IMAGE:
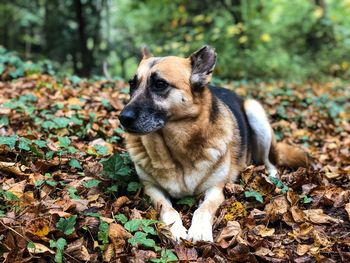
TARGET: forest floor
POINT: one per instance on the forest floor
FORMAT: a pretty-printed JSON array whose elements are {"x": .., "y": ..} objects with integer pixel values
[{"x": 68, "y": 191}]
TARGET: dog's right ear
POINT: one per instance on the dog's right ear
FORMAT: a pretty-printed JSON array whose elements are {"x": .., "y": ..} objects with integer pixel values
[
  {"x": 203, "y": 63},
  {"x": 146, "y": 53}
]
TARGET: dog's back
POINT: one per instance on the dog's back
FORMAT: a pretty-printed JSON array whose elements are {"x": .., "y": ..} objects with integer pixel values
[{"x": 236, "y": 105}]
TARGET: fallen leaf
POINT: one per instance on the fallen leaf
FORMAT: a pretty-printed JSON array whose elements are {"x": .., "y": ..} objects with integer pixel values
[
  {"x": 118, "y": 235},
  {"x": 264, "y": 231},
  {"x": 186, "y": 254},
  {"x": 78, "y": 250},
  {"x": 302, "y": 249},
  {"x": 231, "y": 231},
  {"x": 317, "y": 216},
  {"x": 277, "y": 207},
  {"x": 297, "y": 214},
  {"x": 39, "y": 249},
  {"x": 347, "y": 208}
]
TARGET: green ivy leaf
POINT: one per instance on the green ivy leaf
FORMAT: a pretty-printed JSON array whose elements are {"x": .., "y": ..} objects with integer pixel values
[
  {"x": 59, "y": 244},
  {"x": 10, "y": 141},
  {"x": 101, "y": 150},
  {"x": 133, "y": 186},
  {"x": 279, "y": 184},
  {"x": 91, "y": 183},
  {"x": 258, "y": 197},
  {"x": 61, "y": 122},
  {"x": 188, "y": 200},
  {"x": 121, "y": 218},
  {"x": 51, "y": 183},
  {"x": 66, "y": 225},
  {"x": 30, "y": 245},
  {"x": 103, "y": 232},
  {"x": 75, "y": 79},
  {"x": 4, "y": 120},
  {"x": 9, "y": 196},
  {"x": 133, "y": 225},
  {"x": 40, "y": 143},
  {"x": 165, "y": 256},
  {"x": 141, "y": 238},
  {"x": 64, "y": 141},
  {"x": 115, "y": 167},
  {"x": 306, "y": 199},
  {"x": 73, "y": 193},
  {"x": 24, "y": 144},
  {"x": 75, "y": 164}
]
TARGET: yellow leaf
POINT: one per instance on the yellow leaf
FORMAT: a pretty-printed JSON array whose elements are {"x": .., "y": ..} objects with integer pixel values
[
  {"x": 43, "y": 231},
  {"x": 234, "y": 211},
  {"x": 265, "y": 37},
  {"x": 344, "y": 65},
  {"x": 318, "y": 12},
  {"x": 243, "y": 39}
]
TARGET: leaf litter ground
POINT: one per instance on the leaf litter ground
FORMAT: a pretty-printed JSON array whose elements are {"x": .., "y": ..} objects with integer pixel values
[{"x": 68, "y": 191}]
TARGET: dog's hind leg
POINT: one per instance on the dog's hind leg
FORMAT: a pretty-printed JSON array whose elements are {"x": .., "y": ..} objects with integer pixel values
[{"x": 262, "y": 134}]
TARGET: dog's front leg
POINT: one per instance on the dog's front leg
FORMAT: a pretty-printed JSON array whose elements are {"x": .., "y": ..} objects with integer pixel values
[
  {"x": 167, "y": 213},
  {"x": 202, "y": 221}
]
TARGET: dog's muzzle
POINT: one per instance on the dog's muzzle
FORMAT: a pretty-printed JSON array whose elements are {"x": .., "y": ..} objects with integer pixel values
[{"x": 141, "y": 120}]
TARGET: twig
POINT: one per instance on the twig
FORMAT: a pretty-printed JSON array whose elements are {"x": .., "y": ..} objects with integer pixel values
[{"x": 105, "y": 70}]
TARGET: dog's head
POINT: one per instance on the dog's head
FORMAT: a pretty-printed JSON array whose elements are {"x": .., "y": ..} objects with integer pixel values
[{"x": 165, "y": 89}]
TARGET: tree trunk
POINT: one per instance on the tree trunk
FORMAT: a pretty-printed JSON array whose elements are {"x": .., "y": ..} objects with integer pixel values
[{"x": 85, "y": 59}]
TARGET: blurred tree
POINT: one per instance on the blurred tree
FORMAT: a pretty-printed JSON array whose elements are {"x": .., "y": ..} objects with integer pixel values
[{"x": 255, "y": 38}]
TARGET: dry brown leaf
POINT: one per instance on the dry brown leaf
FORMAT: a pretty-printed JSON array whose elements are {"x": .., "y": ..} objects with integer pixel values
[
  {"x": 39, "y": 227},
  {"x": 321, "y": 238},
  {"x": 318, "y": 217},
  {"x": 78, "y": 250},
  {"x": 297, "y": 214},
  {"x": 119, "y": 203},
  {"x": 140, "y": 256},
  {"x": 302, "y": 249},
  {"x": 186, "y": 254},
  {"x": 303, "y": 232},
  {"x": 231, "y": 231},
  {"x": 39, "y": 249},
  {"x": 233, "y": 189},
  {"x": 59, "y": 213},
  {"x": 18, "y": 188},
  {"x": 347, "y": 208},
  {"x": 109, "y": 253},
  {"x": 263, "y": 251},
  {"x": 264, "y": 231},
  {"x": 118, "y": 235},
  {"x": 15, "y": 168},
  {"x": 277, "y": 207}
]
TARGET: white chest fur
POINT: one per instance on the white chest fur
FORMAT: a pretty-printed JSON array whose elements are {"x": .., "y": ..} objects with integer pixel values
[{"x": 193, "y": 178}]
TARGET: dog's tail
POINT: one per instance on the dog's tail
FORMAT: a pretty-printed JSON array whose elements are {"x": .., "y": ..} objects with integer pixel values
[
  {"x": 265, "y": 149},
  {"x": 284, "y": 154}
]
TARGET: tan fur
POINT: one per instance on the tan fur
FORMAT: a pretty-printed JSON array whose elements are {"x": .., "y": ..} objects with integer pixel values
[{"x": 286, "y": 155}]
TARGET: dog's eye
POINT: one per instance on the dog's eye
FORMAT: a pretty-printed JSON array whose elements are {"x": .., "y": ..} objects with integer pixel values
[{"x": 160, "y": 85}]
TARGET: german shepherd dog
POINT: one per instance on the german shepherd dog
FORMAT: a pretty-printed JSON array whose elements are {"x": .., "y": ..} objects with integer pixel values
[{"x": 187, "y": 137}]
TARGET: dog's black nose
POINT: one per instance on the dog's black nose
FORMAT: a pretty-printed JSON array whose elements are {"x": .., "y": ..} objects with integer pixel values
[{"x": 127, "y": 117}]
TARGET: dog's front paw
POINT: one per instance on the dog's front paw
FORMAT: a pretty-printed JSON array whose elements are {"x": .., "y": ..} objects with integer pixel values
[
  {"x": 201, "y": 229},
  {"x": 178, "y": 231}
]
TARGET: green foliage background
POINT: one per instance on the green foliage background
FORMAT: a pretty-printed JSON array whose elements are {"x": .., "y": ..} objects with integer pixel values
[{"x": 254, "y": 39}]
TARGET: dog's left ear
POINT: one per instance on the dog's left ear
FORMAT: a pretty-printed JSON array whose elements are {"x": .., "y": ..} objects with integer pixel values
[
  {"x": 203, "y": 63},
  {"x": 146, "y": 53}
]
